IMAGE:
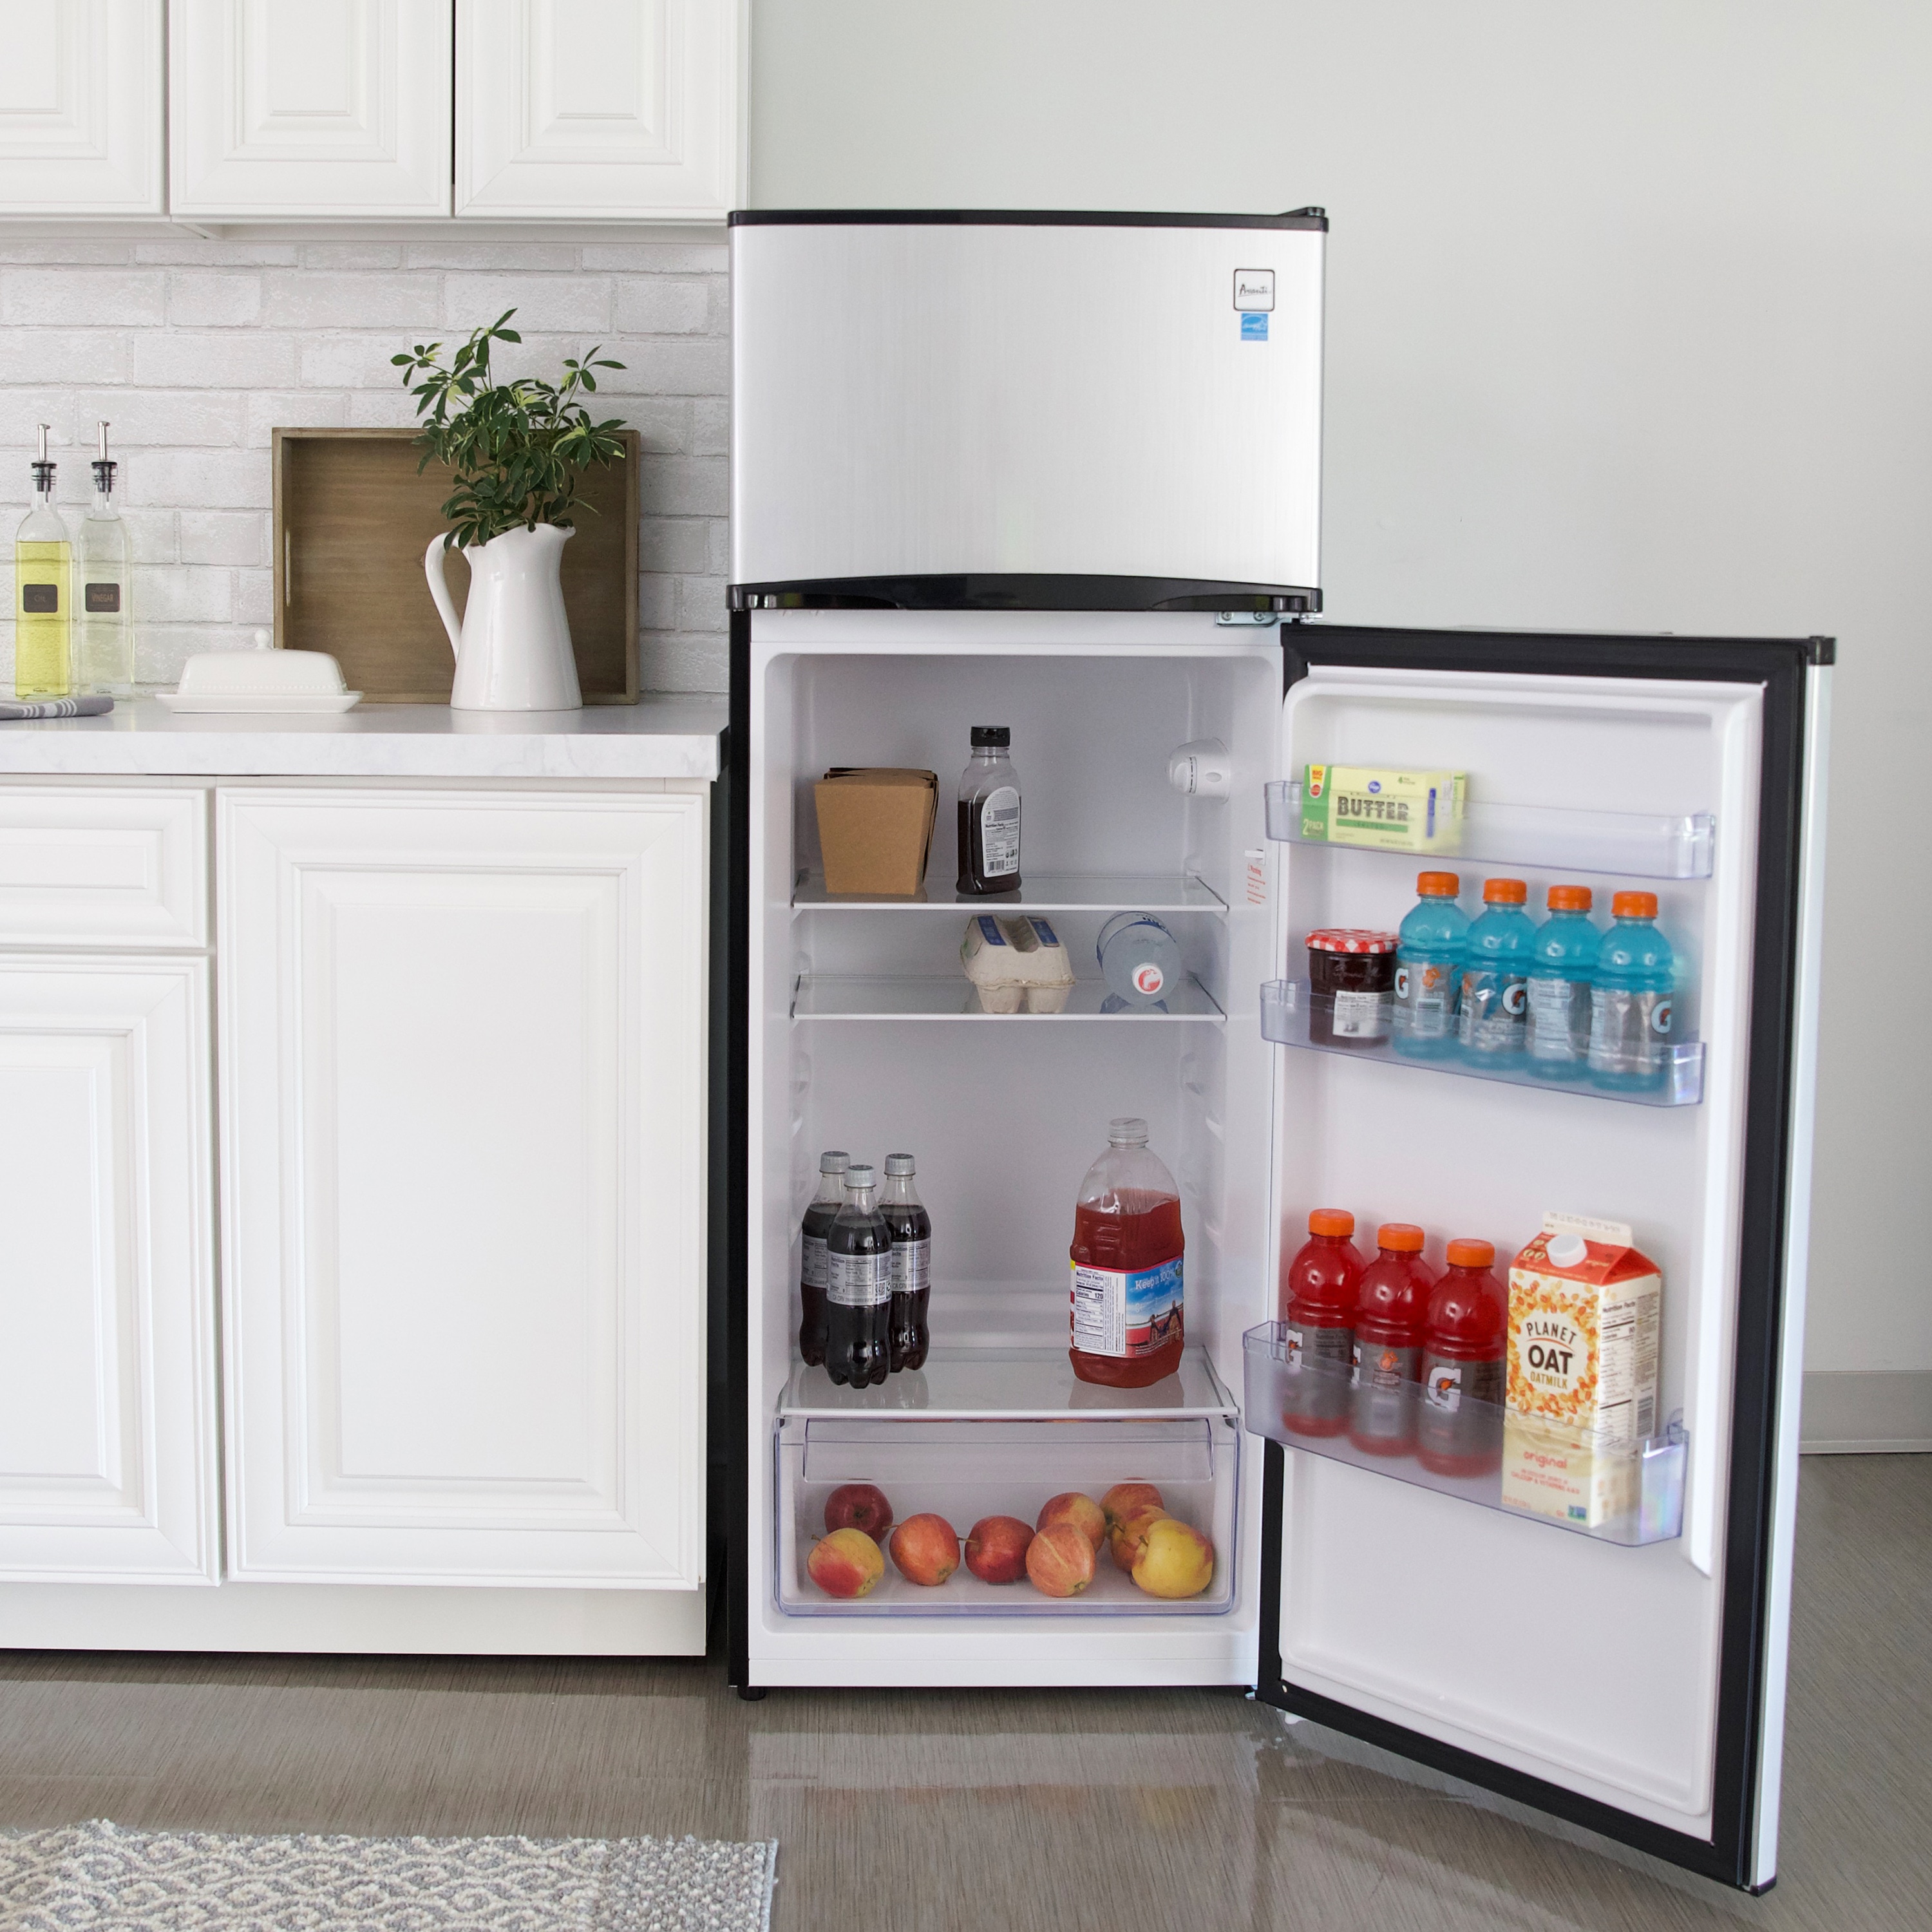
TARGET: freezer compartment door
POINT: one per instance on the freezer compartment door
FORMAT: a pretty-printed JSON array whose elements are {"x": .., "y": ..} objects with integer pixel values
[
  {"x": 1622, "y": 1678},
  {"x": 1027, "y": 411}
]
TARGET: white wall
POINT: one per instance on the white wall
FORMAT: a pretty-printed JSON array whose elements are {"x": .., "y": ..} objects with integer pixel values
[{"x": 1629, "y": 326}]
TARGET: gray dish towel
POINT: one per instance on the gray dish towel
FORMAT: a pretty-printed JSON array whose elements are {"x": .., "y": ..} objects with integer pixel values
[{"x": 53, "y": 707}]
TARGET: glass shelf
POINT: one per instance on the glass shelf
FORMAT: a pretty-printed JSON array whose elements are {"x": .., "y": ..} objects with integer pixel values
[
  {"x": 1284, "y": 1017},
  {"x": 837, "y": 996},
  {"x": 1555, "y": 838},
  {"x": 991, "y": 1383},
  {"x": 1542, "y": 1473},
  {"x": 1043, "y": 892}
]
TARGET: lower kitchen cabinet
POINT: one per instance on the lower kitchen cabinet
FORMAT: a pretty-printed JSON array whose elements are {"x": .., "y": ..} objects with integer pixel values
[
  {"x": 462, "y": 1046},
  {"x": 107, "y": 1374}
]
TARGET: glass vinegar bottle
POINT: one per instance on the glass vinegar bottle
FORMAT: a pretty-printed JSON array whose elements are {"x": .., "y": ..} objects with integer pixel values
[
  {"x": 43, "y": 592},
  {"x": 104, "y": 653}
]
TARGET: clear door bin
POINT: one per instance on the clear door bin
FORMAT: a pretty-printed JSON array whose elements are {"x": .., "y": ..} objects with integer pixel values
[
  {"x": 1627, "y": 1494},
  {"x": 1284, "y": 1015},
  {"x": 1638, "y": 844},
  {"x": 964, "y": 1471}
]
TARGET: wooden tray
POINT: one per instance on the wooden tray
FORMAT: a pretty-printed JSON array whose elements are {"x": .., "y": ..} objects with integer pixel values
[{"x": 352, "y": 519}]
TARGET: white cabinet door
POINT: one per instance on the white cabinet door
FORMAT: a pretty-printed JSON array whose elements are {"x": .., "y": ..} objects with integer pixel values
[
  {"x": 590, "y": 109},
  {"x": 80, "y": 107},
  {"x": 463, "y": 1095},
  {"x": 328, "y": 107},
  {"x": 107, "y": 1405}
]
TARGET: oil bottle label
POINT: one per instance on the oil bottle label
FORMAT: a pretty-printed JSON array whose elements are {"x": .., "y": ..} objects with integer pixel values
[
  {"x": 999, "y": 831},
  {"x": 912, "y": 1266},
  {"x": 40, "y": 600},
  {"x": 858, "y": 1281},
  {"x": 811, "y": 1263},
  {"x": 1126, "y": 1312}
]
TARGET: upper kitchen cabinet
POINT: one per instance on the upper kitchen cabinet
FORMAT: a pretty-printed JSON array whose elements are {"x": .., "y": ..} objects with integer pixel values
[
  {"x": 80, "y": 107},
  {"x": 597, "y": 110},
  {"x": 328, "y": 109}
]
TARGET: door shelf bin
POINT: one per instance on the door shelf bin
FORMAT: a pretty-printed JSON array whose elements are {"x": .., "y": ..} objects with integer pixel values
[
  {"x": 1636, "y": 845},
  {"x": 965, "y": 1470},
  {"x": 1642, "y": 1482},
  {"x": 1284, "y": 1018}
]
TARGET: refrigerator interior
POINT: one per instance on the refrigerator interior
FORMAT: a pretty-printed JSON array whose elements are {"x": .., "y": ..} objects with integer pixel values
[
  {"x": 860, "y": 1042},
  {"x": 1593, "y": 1665}
]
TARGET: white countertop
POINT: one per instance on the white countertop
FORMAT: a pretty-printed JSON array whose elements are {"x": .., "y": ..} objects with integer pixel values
[{"x": 659, "y": 738}]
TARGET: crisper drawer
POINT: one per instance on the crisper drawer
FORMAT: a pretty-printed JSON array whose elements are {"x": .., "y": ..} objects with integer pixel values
[
  {"x": 97, "y": 866},
  {"x": 965, "y": 1470}
]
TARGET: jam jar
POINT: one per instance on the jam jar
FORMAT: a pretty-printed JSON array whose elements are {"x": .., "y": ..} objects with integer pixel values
[{"x": 1351, "y": 987}]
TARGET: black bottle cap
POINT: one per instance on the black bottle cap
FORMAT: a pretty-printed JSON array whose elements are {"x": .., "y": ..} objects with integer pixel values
[{"x": 1000, "y": 735}]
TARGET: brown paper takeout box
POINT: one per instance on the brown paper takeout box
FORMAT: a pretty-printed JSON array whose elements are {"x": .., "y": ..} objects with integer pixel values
[{"x": 875, "y": 828}]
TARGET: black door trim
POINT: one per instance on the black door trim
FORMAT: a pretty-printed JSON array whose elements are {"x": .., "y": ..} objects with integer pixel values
[{"x": 733, "y": 1177}]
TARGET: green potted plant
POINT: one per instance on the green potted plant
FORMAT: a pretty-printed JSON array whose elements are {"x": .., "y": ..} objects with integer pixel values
[{"x": 518, "y": 450}]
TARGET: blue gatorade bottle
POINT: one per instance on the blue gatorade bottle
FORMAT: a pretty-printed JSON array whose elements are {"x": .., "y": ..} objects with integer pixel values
[
  {"x": 1496, "y": 959},
  {"x": 1632, "y": 1001},
  {"x": 1558, "y": 1033},
  {"x": 1428, "y": 967}
]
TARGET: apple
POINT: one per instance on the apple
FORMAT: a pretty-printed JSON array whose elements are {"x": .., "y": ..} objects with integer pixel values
[
  {"x": 859, "y": 1506},
  {"x": 845, "y": 1563},
  {"x": 926, "y": 1548},
  {"x": 1123, "y": 1498},
  {"x": 1128, "y": 1541},
  {"x": 1176, "y": 1560},
  {"x": 1059, "y": 1561},
  {"x": 1083, "y": 1512},
  {"x": 996, "y": 1548}
]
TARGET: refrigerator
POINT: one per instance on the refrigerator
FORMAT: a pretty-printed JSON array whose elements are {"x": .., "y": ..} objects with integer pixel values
[{"x": 1061, "y": 472}]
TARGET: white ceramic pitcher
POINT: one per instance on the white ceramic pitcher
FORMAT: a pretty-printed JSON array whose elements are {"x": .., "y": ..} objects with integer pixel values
[{"x": 512, "y": 644}]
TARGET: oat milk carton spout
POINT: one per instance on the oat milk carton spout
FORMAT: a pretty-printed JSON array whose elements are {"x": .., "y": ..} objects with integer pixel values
[{"x": 1584, "y": 1310}]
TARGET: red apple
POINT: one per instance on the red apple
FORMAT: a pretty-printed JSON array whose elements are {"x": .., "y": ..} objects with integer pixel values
[
  {"x": 996, "y": 1548},
  {"x": 1083, "y": 1512},
  {"x": 1059, "y": 1561},
  {"x": 1128, "y": 1541},
  {"x": 845, "y": 1563},
  {"x": 859, "y": 1506},
  {"x": 1123, "y": 1498},
  {"x": 926, "y": 1548}
]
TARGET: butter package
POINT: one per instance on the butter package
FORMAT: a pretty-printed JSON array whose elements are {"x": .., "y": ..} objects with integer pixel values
[
  {"x": 1393, "y": 811},
  {"x": 1585, "y": 1310}
]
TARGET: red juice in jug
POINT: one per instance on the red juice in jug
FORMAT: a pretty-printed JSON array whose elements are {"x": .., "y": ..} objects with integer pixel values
[
  {"x": 1459, "y": 1426},
  {"x": 1126, "y": 1260},
  {"x": 1390, "y": 1307},
  {"x": 1317, "y": 1309}
]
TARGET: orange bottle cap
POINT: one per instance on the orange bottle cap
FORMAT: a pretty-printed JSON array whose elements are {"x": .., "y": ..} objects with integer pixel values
[
  {"x": 1634, "y": 905},
  {"x": 1569, "y": 899},
  {"x": 1438, "y": 885},
  {"x": 1471, "y": 1254},
  {"x": 1336, "y": 1222},
  {"x": 1403, "y": 1237},
  {"x": 1504, "y": 892}
]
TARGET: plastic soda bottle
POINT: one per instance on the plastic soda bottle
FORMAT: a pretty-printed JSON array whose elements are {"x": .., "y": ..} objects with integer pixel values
[
  {"x": 1390, "y": 1307},
  {"x": 858, "y": 1285},
  {"x": 1458, "y": 1422},
  {"x": 1126, "y": 1258},
  {"x": 1632, "y": 1002},
  {"x": 818, "y": 1219},
  {"x": 1495, "y": 973},
  {"x": 909, "y": 1335},
  {"x": 1558, "y": 1029},
  {"x": 1318, "y": 1288},
  {"x": 1429, "y": 967}
]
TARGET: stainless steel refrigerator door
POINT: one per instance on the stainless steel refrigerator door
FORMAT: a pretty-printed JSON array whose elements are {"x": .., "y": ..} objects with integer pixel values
[{"x": 1132, "y": 402}]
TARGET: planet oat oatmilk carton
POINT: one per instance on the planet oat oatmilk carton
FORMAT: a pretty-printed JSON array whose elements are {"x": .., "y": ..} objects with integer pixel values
[{"x": 1585, "y": 1306}]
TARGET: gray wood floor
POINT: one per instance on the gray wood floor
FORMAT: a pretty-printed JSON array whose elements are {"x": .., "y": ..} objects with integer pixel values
[{"x": 1115, "y": 1811}]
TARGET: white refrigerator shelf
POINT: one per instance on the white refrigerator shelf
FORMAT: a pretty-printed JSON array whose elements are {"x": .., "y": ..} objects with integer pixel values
[
  {"x": 854, "y": 996},
  {"x": 1043, "y": 892},
  {"x": 1557, "y": 838},
  {"x": 1679, "y": 1081},
  {"x": 1541, "y": 1473}
]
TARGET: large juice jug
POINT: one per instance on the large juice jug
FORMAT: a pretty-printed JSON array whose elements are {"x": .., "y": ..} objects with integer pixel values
[
  {"x": 1428, "y": 968},
  {"x": 1126, "y": 1258},
  {"x": 1631, "y": 1003},
  {"x": 1390, "y": 1306},
  {"x": 1558, "y": 1029},
  {"x": 1459, "y": 1425},
  {"x": 1317, "y": 1309}
]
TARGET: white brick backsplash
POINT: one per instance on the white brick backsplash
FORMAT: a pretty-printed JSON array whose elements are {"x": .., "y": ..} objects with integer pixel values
[
  {"x": 83, "y": 298},
  {"x": 197, "y": 350}
]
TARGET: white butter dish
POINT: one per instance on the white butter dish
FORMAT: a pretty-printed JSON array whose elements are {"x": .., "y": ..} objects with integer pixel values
[{"x": 260, "y": 680}]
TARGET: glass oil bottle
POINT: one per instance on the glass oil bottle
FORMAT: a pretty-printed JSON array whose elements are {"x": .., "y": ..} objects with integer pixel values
[
  {"x": 104, "y": 659},
  {"x": 43, "y": 592}
]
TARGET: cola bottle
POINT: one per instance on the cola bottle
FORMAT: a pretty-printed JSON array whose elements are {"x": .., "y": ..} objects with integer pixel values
[
  {"x": 858, "y": 1285},
  {"x": 910, "y": 1227},
  {"x": 818, "y": 1218}
]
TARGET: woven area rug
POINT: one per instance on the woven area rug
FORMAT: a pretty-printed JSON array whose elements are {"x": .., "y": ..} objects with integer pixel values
[{"x": 98, "y": 1878}]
